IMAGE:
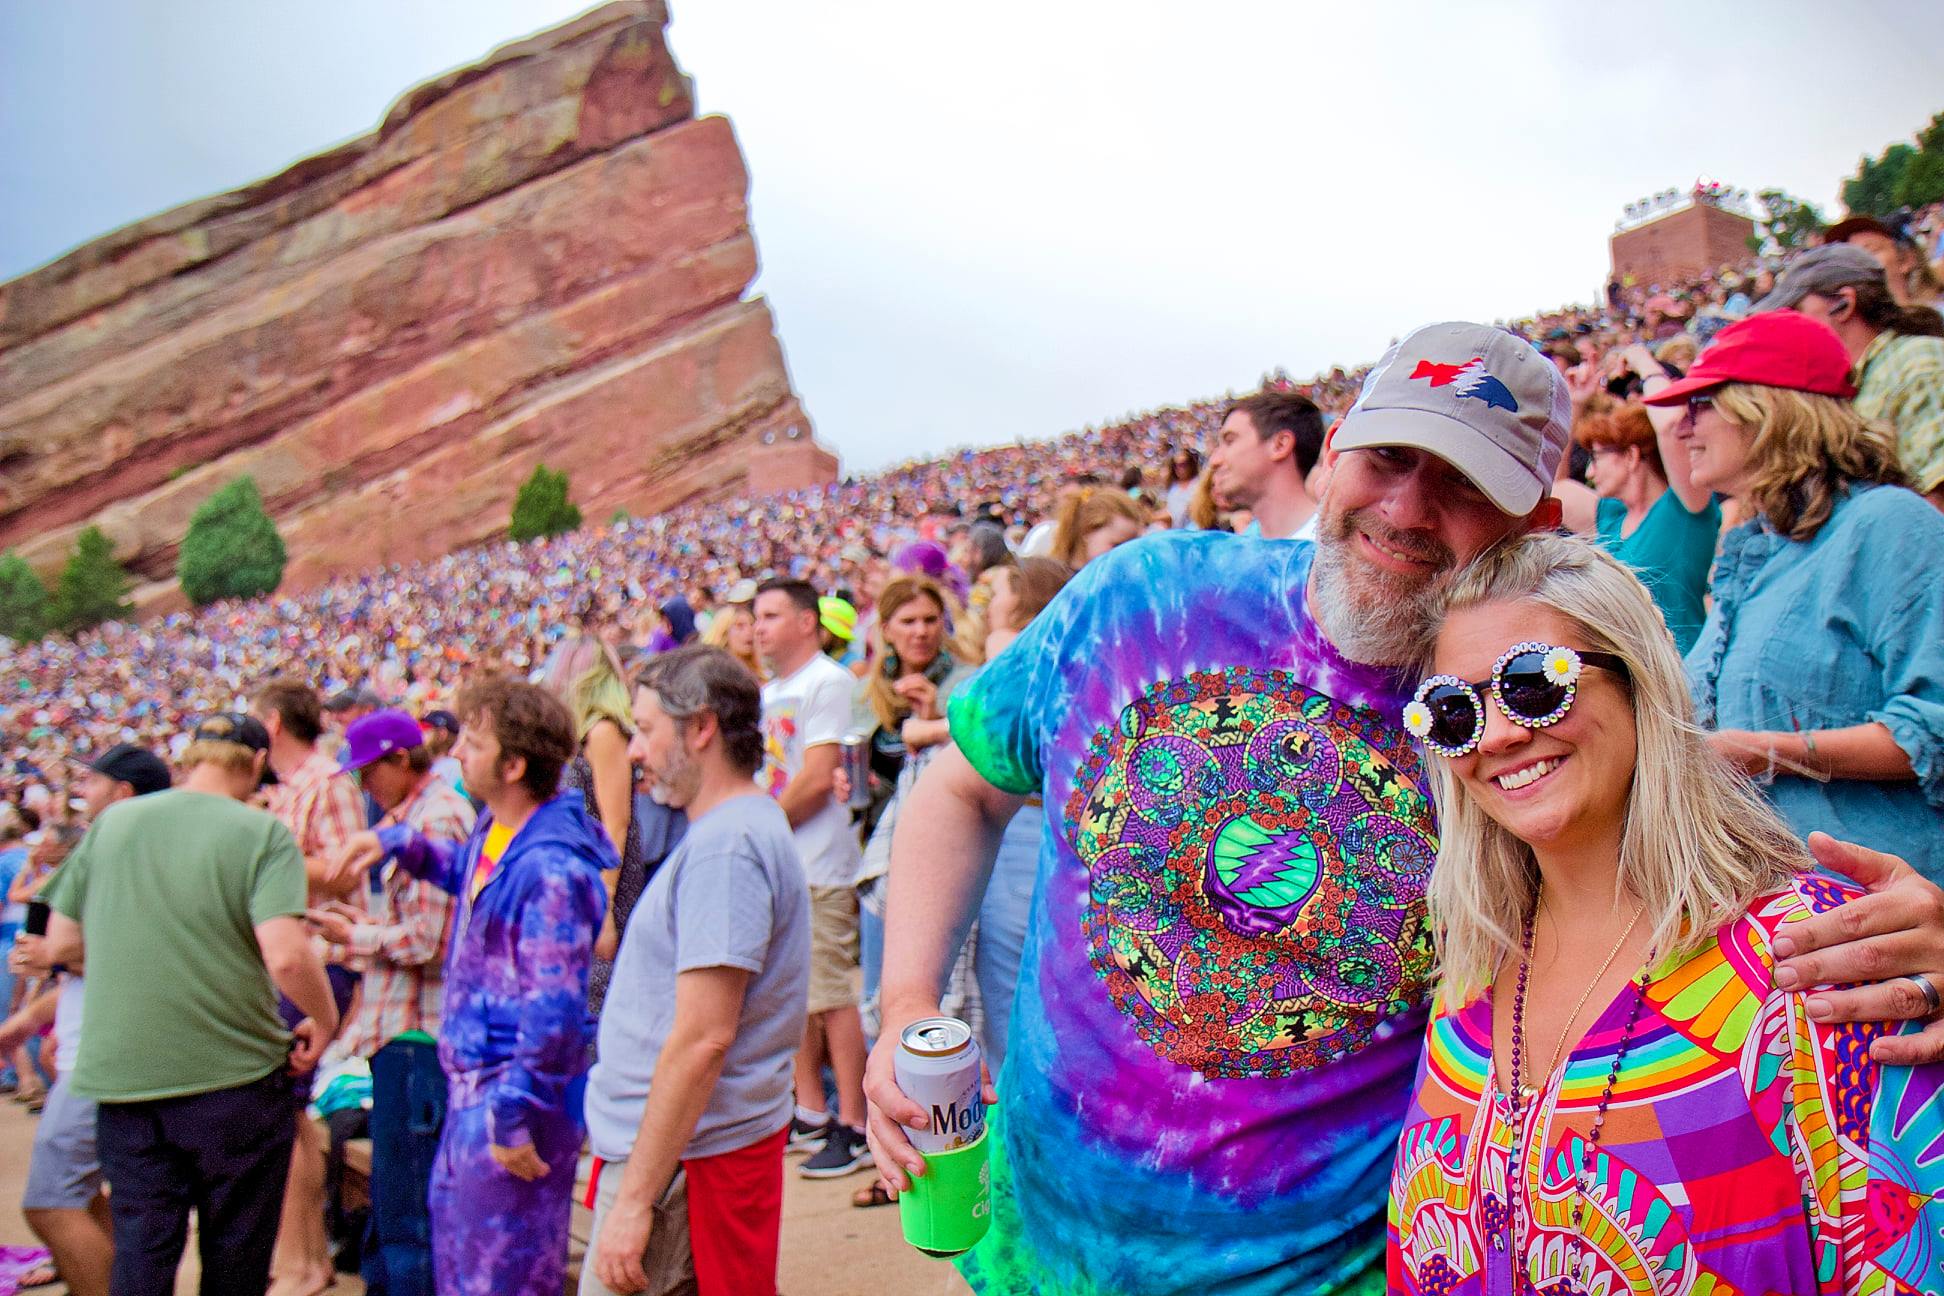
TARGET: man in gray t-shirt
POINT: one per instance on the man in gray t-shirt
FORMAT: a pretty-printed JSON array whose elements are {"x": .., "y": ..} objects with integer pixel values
[{"x": 712, "y": 978}]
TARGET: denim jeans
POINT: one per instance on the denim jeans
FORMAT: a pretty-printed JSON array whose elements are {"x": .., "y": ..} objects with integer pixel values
[
  {"x": 1003, "y": 914},
  {"x": 870, "y": 952},
  {"x": 408, "y": 1103}
]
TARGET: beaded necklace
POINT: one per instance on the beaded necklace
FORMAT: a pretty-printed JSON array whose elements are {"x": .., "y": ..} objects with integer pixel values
[{"x": 1583, "y": 1175}]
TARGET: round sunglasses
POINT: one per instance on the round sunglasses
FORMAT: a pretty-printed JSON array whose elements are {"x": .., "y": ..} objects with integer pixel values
[{"x": 1533, "y": 683}]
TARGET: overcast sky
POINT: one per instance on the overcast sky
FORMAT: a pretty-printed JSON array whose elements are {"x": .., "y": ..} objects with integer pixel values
[{"x": 978, "y": 224}]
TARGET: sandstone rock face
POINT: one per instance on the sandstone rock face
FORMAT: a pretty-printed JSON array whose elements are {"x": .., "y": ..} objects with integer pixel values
[{"x": 540, "y": 259}]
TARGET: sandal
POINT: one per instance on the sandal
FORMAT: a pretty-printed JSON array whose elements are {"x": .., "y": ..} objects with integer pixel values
[{"x": 874, "y": 1195}]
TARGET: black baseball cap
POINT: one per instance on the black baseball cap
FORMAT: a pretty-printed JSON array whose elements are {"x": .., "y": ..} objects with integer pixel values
[
  {"x": 358, "y": 695},
  {"x": 235, "y": 727},
  {"x": 138, "y": 767}
]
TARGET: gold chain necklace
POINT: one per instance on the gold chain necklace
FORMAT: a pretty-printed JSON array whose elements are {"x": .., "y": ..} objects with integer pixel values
[{"x": 1566, "y": 1031}]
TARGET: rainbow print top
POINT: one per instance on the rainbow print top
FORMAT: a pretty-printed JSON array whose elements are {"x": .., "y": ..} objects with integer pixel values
[{"x": 1747, "y": 1149}]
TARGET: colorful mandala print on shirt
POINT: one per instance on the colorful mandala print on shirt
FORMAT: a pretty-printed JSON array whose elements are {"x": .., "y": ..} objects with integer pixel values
[{"x": 1257, "y": 856}]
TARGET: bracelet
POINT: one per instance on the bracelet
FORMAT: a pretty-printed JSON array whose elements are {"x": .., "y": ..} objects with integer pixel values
[{"x": 1809, "y": 745}]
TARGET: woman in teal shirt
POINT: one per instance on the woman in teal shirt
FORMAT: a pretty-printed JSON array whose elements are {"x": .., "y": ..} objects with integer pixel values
[{"x": 1821, "y": 665}]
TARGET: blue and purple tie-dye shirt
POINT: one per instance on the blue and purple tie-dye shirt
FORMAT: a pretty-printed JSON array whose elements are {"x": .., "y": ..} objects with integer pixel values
[{"x": 1220, "y": 1004}]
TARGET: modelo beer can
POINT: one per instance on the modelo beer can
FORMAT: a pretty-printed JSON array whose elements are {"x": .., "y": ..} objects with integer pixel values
[
  {"x": 856, "y": 760},
  {"x": 938, "y": 1068},
  {"x": 948, "y": 1209}
]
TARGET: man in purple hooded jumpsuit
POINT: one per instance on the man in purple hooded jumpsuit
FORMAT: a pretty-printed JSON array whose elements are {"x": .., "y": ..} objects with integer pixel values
[{"x": 514, "y": 1036}]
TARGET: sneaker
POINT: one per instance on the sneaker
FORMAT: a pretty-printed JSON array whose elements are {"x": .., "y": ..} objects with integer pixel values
[
  {"x": 844, "y": 1152},
  {"x": 808, "y": 1137}
]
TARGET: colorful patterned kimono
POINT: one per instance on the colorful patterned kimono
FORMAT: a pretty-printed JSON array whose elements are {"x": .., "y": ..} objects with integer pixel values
[
  {"x": 513, "y": 1043},
  {"x": 1746, "y": 1149}
]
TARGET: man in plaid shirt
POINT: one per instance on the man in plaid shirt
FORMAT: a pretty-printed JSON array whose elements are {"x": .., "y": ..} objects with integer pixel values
[
  {"x": 322, "y": 812},
  {"x": 399, "y": 943}
]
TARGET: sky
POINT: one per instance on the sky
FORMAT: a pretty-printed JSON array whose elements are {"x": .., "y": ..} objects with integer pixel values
[{"x": 978, "y": 225}]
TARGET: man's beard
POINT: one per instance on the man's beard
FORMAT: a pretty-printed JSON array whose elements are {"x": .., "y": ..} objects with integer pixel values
[
  {"x": 677, "y": 784},
  {"x": 1370, "y": 614}
]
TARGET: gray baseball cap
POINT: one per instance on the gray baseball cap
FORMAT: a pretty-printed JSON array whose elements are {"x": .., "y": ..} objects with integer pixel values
[
  {"x": 1482, "y": 399},
  {"x": 1822, "y": 271}
]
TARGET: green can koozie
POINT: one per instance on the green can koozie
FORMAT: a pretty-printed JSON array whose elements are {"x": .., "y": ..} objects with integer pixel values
[{"x": 948, "y": 1208}]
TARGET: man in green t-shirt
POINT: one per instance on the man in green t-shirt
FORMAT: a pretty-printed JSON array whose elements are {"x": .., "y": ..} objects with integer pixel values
[{"x": 189, "y": 907}]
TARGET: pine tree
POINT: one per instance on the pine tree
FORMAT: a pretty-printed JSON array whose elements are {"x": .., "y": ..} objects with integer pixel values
[
  {"x": 23, "y": 600},
  {"x": 542, "y": 507},
  {"x": 93, "y": 587},
  {"x": 232, "y": 549}
]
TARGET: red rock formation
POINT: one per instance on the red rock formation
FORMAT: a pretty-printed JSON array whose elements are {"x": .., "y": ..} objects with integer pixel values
[{"x": 538, "y": 259}]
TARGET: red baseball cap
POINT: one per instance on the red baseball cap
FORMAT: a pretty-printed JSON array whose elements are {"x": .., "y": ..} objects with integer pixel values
[{"x": 1781, "y": 348}]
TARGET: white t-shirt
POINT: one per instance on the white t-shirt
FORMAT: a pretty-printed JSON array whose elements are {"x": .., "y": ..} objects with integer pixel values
[
  {"x": 1307, "y": 531},
  {"x": 67, "y": 1023},
  {"x": 811, "y": 709}
]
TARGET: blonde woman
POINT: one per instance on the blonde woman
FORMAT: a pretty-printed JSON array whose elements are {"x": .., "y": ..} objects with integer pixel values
[
  {"x": 1612, "y": 1097},
  {"x": 733, "y": 629},
  {"x": 1093, "y": 520},
  {"x": 584, "y": 672},
  {"x": 1820, "y": 666}
]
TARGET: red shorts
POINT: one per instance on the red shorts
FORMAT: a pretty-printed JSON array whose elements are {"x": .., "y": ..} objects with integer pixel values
[{"x": 735, "y": 1208}]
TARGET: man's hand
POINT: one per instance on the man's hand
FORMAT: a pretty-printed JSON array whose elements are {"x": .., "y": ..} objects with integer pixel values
[
  {"x": 361, "y": 853},
  {"x": 28, "y": 957},
  {"x": 618, "y": 1252},
  {"x": 1878, "y": 939},
  {"x": 521, "y": 1162},
  {"x": 333, "y": 921},
  {"x": 307, "y": 1044},
  {"x": 888, "y": 1110}
]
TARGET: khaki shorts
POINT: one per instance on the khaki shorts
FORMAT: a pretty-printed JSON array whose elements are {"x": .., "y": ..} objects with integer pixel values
[{"x": 834, "y": 978}]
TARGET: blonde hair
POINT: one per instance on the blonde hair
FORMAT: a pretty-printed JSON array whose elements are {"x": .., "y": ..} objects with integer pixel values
[
  {"x": 889, "y": 709},
  {"x": 1202, "y": 512},
  {"x": 1085, "y": 512},
  {"x": 585, "y": 674},
  {"x": 1678, "y": 350},
  {"x": 234, "y": 758},
  {"x": 1806, "y": 449},
  {"x": 1699, "y": 843},
  {"x": 717, "y": 636}
]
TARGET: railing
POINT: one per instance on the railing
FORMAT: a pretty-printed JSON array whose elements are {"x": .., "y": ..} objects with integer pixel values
[{"x": 1703, "y": 193}]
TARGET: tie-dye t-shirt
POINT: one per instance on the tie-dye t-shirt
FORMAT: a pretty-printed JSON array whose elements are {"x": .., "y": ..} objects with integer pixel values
[
  {"x": 1221, "y": 997},
  {"x": 1746, "y": 1147}
]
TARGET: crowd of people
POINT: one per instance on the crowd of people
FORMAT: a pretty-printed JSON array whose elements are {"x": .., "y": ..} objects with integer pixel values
[{"x": 549, "y": 868}]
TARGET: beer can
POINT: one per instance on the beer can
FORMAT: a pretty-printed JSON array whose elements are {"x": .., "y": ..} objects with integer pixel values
[
  {"x": 938, "y": 1068},
  {"x": 856, "y": 758}
]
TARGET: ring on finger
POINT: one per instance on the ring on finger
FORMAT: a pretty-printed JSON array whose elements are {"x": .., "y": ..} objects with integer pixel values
[{"x": 1931, "y": 999}]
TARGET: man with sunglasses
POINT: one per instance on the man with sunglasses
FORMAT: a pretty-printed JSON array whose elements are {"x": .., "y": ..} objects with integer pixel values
[{"x": 1221, "y": 997}]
